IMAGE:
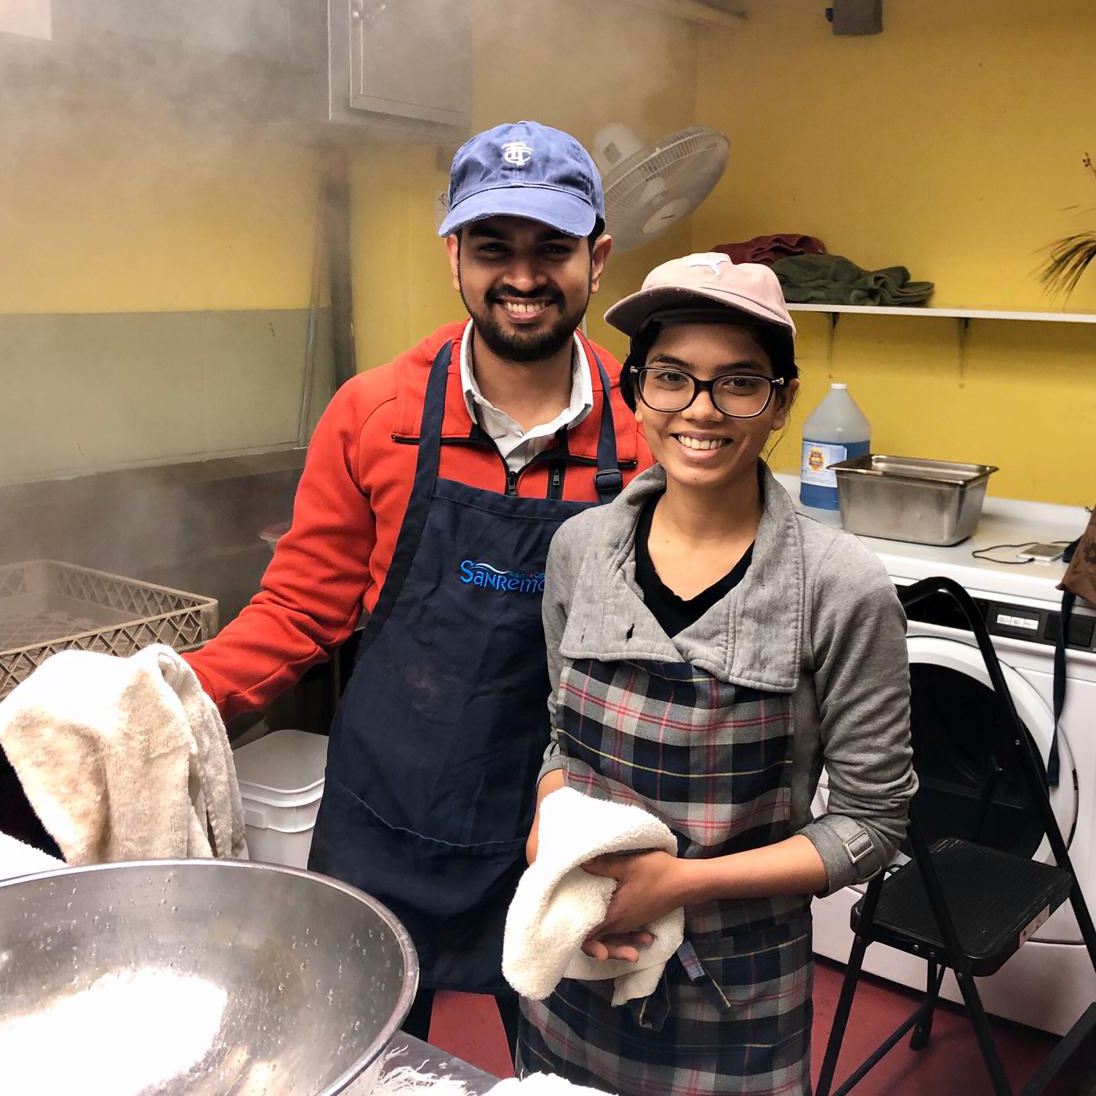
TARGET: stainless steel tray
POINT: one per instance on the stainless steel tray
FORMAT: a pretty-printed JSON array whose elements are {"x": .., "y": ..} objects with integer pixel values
[{"x": 911, "y": 498}]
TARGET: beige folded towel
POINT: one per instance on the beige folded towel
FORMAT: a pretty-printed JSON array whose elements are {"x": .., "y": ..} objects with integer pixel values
[{"x": 124, "y": 758}]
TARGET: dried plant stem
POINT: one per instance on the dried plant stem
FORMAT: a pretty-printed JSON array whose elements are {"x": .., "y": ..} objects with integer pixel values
[{"x": 1069, "y": 259}]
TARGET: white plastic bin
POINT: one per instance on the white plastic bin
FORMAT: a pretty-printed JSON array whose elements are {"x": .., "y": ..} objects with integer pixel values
[{"x": 281, "y": 782}]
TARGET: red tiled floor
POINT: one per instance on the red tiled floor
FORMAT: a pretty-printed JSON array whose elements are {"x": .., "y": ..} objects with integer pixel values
[
  {"x": 950, "y": 1063},
  {"x": 468, "y": 1026}
]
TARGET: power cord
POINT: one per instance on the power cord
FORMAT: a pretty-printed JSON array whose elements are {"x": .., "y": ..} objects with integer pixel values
[{"x": 980, "y": 553}]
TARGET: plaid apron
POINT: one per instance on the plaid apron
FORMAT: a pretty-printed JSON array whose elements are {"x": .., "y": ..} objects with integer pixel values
[{"x": 732, "y": 1013}]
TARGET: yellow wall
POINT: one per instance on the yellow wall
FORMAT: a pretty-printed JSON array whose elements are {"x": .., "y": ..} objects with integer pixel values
[
  {"x": 951, "y": 144},
  {"x": 149, "y": 269},
  {"x": 113, "y": 207}
]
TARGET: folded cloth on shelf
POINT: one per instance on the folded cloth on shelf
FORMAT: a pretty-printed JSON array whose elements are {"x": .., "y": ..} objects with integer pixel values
[
  {"x": 767, "y": 249},
  {"x": 833, "y": 279},
  {"x": 124, "y": 758},
  {"x": 557, "y": 904},
  {"x": 17, "y": 858}
]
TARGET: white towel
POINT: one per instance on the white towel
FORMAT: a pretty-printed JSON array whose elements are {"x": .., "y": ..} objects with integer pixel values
[
  {"x": 18, "y": 858},
  {"x": 409, "y": 1081},
  {"x": 541, "y": 1084},
  {"x": 558, "y": 904},
  {"x": 124, "y": 758}
]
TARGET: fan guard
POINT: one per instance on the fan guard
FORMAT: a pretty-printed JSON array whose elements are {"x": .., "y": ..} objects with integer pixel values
[{"x": 652, "y": 188}]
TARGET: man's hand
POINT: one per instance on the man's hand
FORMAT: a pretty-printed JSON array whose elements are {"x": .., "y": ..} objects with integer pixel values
[{"x": 649, "y": 885}]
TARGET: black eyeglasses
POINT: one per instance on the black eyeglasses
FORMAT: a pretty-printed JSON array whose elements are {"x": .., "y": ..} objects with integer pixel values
[{"x": 739, "y": 395}]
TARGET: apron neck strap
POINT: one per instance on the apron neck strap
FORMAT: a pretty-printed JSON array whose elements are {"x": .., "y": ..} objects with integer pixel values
[
  {"x": 608, "y": 480},
  {"x": 433, "y": 414}
]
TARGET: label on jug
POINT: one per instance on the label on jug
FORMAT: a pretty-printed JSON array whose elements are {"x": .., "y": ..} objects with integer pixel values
[{"x": 818, "y": 456}]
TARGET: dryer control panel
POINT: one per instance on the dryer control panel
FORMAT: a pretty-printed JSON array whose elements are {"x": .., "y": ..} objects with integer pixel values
[{"x": 1008, "y": 619}]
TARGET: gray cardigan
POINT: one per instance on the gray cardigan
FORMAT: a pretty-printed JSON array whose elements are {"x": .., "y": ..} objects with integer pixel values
[{"x": 815, "y": 616}]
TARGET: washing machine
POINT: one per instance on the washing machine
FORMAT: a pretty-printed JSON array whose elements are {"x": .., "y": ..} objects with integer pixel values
[{"x": 1049, "y": 982}]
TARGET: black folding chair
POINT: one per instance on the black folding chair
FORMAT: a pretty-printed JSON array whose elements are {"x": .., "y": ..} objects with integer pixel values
[{"x": 967, "y": 907}]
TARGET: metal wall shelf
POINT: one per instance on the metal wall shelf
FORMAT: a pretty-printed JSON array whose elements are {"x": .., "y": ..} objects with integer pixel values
[
  {"x": 962, "y": 316},
  {"x": 947, "y": 313}
]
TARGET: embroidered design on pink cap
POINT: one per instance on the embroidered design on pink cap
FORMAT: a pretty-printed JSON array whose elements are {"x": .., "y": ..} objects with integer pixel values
[{"x": 714, "y": 261}]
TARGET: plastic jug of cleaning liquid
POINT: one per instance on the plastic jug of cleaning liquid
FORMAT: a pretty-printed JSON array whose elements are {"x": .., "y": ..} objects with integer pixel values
[{"x": 835, "y": 430}]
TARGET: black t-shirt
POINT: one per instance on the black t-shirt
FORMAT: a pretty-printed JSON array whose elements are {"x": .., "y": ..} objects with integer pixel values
[{"x": 673, "y": 613}]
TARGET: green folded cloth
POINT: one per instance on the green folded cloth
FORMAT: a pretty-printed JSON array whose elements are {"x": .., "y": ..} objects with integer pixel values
[{"x": 833, "y": 279}]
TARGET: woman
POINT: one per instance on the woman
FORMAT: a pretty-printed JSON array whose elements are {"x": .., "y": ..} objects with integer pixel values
[{"x": 709, "y": 649}]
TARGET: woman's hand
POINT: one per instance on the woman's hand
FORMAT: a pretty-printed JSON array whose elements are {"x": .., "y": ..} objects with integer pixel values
[
  {"x": 619, "y": 945},
  {"x": 550, "y": 782},
  {"x": 649, "y": 885}
]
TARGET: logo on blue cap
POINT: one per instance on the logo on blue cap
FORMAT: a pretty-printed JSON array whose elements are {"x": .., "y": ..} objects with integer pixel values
[{"x": 517, "y": 153}]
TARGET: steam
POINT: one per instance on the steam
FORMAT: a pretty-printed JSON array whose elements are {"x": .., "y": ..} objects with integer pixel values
[
  {"x": 28, "y": 18},
  {"x": 118, "y": 118}
]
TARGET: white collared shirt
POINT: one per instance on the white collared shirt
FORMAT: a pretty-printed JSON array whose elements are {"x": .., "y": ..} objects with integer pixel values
[{"x": 518, "y": 447}]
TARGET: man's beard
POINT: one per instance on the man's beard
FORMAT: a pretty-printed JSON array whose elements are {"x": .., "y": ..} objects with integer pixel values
[{"x": 521, "y": 346}]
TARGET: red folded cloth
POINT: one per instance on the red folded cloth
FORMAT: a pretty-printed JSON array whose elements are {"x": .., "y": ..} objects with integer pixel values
[{"x": 767, "y": 249}]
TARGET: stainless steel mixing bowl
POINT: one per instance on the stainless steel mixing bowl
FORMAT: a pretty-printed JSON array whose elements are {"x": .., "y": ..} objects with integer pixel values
[{"x": 203, "y": 977}]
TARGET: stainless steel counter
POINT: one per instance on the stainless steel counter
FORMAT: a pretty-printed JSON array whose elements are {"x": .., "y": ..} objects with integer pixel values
[{"x": 429, "y": 1059}]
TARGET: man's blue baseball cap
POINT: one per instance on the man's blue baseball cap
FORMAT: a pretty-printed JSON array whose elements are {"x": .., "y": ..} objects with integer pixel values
[{"x": 525, "y": 169}]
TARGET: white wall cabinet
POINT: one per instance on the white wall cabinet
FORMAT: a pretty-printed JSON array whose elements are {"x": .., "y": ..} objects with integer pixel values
[
  {"x": 410, "y": 59},
  {"x": 401, "y": 67}
]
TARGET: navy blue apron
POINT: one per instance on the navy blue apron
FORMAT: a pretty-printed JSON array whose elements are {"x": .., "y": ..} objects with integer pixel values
[{"x": 437, "y": 742}]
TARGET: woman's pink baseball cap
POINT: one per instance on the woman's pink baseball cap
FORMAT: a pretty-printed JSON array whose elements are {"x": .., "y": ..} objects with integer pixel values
[{"x": 685, "y": 289}]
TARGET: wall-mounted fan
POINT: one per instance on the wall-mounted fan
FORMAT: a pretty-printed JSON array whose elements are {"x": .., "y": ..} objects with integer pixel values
[{"x": 649, "y": 188}]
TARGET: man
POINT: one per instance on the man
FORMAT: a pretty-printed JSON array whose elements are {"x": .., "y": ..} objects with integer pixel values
[{"x": 432, "y": 488}]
